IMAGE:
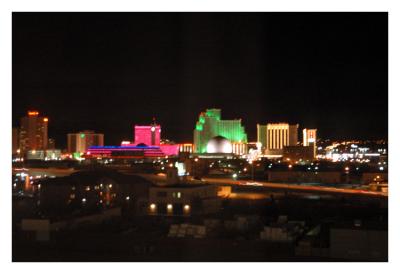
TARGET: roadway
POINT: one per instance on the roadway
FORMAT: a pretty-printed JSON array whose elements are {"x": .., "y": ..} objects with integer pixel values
[{"x": 296, "y": 188}]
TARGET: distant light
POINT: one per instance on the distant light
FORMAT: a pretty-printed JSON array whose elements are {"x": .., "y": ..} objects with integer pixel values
[
  {"x": 169, "y": 207},
  {"x": 45, "y": 119},
  {"x": 82, "y": 135},
  {"x": 347, "y": 168},
  {"x": 244, "y": 169},
  {"x": 83, "y": 200},
  {"x": 153, "y": 206},
  {"x": 153, "y": 128},
  {"x": 127, "y": 198},
  {"x": 290, "y": 166},
  {"x": 33, "y": 113},
  {"x": 196, "y": 159},
  {"x": 381, "y": 168},
  {"x": 186, "y": 207},
  {"x": 110, "y": 185},
  {"x": 234, "y": 175}
]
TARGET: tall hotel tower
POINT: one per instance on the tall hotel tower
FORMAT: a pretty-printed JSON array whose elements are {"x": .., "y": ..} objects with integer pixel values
[
  {"x": 210, "y": 125},
  {"x": 273, "y": 137},
  {"x": 33, "y": 132}
]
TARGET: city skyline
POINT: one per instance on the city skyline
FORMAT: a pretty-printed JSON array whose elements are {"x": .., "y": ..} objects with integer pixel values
[{"x": 113, "y": 73}]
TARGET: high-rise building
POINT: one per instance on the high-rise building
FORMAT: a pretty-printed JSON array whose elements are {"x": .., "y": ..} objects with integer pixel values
[
  {"x": 310, "y": 139},
  {"x": 274, "y": 137},
  {"x": 33, "y": 132},
  {"x": 210, "y": 125},
  {"x": 147, "y": 135},
  {"x": 81, "y": 141},
  {"x": 15, "y": 140}
]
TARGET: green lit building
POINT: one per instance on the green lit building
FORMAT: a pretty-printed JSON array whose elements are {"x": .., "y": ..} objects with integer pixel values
[{"x": 210, "y": 125}]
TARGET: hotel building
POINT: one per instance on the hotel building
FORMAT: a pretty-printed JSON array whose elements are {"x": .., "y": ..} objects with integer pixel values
[
  {"x": 81, "y": 141},
  {"x": 274, "y": 137},
  {"x": 33, "y": 132},
  {"x": 210, "y": 125}
]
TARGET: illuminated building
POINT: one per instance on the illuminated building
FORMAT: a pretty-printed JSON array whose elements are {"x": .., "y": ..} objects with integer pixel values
[
  {"x": 274, "y": 137},
  {"x": 210, "y": 125},
  {"x": 178, "y": 199},
  {"x": 81, "y": 141},
  {"x": 47, "y": 155},
  {"x": 124, "y": 152},
  {"x": 188, "y": 148},
  {"x": 239, "y": 148},
  {"x": 148, "y": 135},
  {"x": 310, "y": 139},
  {"x": 15, "y": 140},
  {"x": 33, "y": 132}
]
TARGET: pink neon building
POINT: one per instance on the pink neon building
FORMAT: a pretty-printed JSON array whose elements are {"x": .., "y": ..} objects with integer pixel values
[{"x": 148, "y": 135}]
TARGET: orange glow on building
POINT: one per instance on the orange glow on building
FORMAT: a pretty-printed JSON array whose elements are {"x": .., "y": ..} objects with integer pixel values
[
  {"x": 33, "y": 113},
  {"x": 45, "y": 119}
]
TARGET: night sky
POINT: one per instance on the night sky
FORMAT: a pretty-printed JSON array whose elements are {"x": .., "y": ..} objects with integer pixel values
[{"x": 108, "y": 71}]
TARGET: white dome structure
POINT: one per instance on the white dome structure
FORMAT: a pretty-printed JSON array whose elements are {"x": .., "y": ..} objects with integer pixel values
[{"x": 219, "y": 144}]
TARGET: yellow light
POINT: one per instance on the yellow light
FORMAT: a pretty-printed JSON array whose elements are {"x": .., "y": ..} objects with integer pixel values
[
  {"x": 169, "y": 207},
  {"x": 45, "y": 119},
  {"x": 186, "y": 207},
  {"x": 290, "y": 166},
  {"x": 110, "y": 185},
  {"x": 152, "y": 206},
  {"x": 196, "y": 159},
  {"x": 33, "y": 113}
]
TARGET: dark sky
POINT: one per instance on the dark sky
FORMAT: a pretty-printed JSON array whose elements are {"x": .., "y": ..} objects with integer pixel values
[{"x": 108, "y": 71}]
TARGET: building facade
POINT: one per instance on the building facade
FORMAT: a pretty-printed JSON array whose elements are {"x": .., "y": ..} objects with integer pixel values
[
  {"x": 81, "y": 141},
  {"x": 275, "y": 136},
  {"x": 310, "y": 139},
  {"x": 210, "y": 125},
  {"x": 148, "y": 135},
  {"x": 15, "y": 140},
  {"x": 33, "y": 132}
]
